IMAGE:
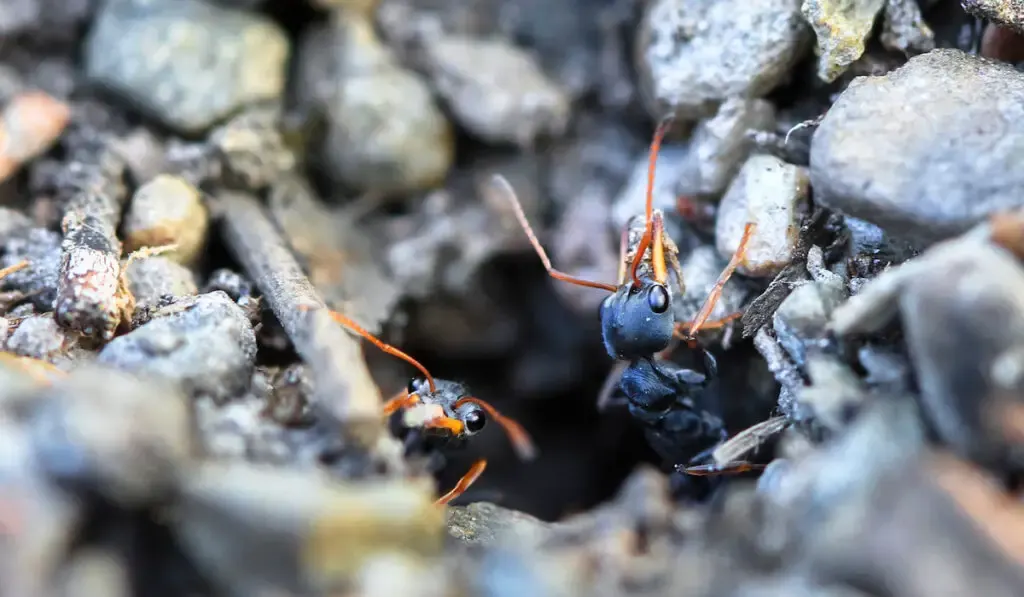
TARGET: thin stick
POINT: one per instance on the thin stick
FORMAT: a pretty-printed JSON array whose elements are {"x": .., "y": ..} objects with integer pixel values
[{"x": 343, "y": 383}]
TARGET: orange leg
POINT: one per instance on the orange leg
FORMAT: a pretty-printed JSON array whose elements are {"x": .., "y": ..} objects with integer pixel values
[
  {"x": 12, "y": 268},
  {"x": 729, "y": 468},
  {"x": 712, "y": 324},
  {"x": 709, "y": 303},
  {"x": 399, "y": 401},
  {"x": 468, "y": 479}
]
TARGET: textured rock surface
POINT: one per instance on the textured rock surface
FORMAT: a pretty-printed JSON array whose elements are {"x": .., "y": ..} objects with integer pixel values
[{"x": 927, "y": 150}]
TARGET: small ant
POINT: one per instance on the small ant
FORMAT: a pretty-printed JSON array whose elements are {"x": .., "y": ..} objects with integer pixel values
[
  {"x": 637, "y": 323},
  {"x": 444, "y": 412}
]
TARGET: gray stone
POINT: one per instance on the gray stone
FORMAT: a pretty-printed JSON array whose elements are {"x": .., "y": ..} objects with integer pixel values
[
  {"x": 39, "y": 337},
  {"x": 773, "y": 195},
  {"x": 720, "y": 145},
  {"x": 153, "y": 278},
  {"x": 927, "y": 173},
  {"x": 694, "y": 54},
  {"x": 385, "y": 132},
  {"x": 205, "y": 343},
  {"x": 1005, "y": 12},
  {"x": 496, "y": 90},
  {"x": 41, "y": 248},
  {"x": 187, "y": 62}
]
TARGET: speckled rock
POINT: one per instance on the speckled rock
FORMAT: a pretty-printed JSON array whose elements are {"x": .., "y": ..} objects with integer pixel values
[
  {"x": 842, "y": 27},
  {"x": 167, "y": 210},
  {"x": 189, "y": 63},
  {"x": 694, "y": 54},
  {"x": 41, "y": 248},
  {"x": 496, "y": 90},
  {"x": 153, "y": 278},
  {"x": 721, "y": 144},
  {"x": 773, "y": 195},
  {"x": 385, "y": 132},
  {"x": 1005, "y": 12},
  {"x": 206, "y": 343},
  {"x": 932, "y": 173}
]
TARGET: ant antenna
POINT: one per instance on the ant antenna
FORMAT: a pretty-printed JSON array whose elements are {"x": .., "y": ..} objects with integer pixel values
[
  {"x": 520, "y": 439},
  {"x": 652, "y": 163},
  {"x": 391, "y": 350},
  {"x": 501, "y": 185}
]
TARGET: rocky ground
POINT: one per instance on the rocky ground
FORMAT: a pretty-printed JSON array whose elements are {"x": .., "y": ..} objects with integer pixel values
[{"x": 184, "y": 184}]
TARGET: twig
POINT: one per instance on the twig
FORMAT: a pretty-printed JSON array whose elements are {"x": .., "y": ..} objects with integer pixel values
[{"x": 342, "y": 382}]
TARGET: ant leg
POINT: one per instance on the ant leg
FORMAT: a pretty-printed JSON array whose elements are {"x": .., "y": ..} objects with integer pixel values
[
  {"x": 468, "y": 479},
  {"x": 728, "y": 468},
  {"x": 683, "y": 327},
  {"x": 12, "y": 268},
  {"x": 500, "y": 184},
  {"x": 402, "y": 399},
  {"x": 709, "y": 303}
]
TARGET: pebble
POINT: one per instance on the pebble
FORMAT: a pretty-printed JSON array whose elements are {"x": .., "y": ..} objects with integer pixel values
[
  {"x": 804, "y": 315},
  {"x": 1005, "y": 12},
  {"x": 41, "y": 248},
  {"x": 102, "y": 430},
  {"x": 932, "y": 173},
  {"x": 167, "y": 210},
  {"x": 842, "y": 28},
  {"x": 385, "y": 132},
  {"x": 252, "y": 149},
  {"x": 496, "y": 90},
  {"x": 905, "y": 29},
  {"x": 721, "y": 144},
  {"x": 12, "y": 222},
  {"x": 695, "y": 54},
  {"x": 39, "y": 337},
  {"x": 956, "y": 333},
  {"x": 774, "y": 195},
  {"x": 234, "y": 284},
  {"x": 153, "y": 279},
  {"x": 205, "y": 343},
  {"x": 189, "y": 63},
  {"x": 254, "y": 529}
]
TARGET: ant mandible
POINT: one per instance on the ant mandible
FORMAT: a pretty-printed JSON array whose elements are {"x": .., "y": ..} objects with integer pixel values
[
  {"x": 448, "y": 414},
  {"x": 637, "y": 323}
]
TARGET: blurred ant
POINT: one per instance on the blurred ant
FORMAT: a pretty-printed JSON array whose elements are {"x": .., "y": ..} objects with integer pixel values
[
  {"x": 637, "y": 323},
  {"x": 442, "y": 415}
]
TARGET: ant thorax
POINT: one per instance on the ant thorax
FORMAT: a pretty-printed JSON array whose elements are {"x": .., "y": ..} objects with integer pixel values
[{"x": 444, "y": 396}]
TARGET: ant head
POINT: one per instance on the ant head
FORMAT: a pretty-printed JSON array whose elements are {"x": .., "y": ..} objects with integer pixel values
[{"x": 637, "y": 321}]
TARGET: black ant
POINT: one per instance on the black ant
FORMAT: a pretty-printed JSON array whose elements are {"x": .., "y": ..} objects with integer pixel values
[
  {"x": 638, "y": 323},
  {"x": 441, "y": 415}
]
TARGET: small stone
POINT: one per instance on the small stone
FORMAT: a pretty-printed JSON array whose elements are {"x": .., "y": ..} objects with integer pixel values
[
  {"x": 153, "y": 279},
  {"x": 206, "y": 343},
  {"x": 108, "y": 431},
  {"x": 187, "y": 62},
  {"x": 842, "y": 27},
  {"x": 695, "y": 54},
  {"x": 39, "y": 337},
  {"x": 772, "y": 194},
  {"x": 230, "y": 282},
  {"x": 1005, "y": 12},
  {"x": 167, "y": 210},
  {"x": 252, "y": 149},
  {"x": 483, "y": 523},
  {"x": 496, "y": 90},
  {"x": 803, "y": 316},
  {"x": 905, "y": 29},
  {"x": 41, "y": 248},
  {"x": 927, "y": 174},
  {"x": 12, "y": 222},
  {"x": 721, "y": 144},
  {"x": 385, "y": 132}
]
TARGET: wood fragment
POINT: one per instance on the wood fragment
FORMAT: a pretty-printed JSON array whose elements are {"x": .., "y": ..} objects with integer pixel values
[{"x": 341, "y": 380}]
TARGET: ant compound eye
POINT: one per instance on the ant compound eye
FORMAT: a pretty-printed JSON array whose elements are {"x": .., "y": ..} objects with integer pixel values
[
  {"x": 657, "y": 299},
  {"x": 475, "y": 421}
]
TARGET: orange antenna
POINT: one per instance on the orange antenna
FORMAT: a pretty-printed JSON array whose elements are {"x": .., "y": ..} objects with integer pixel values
[
  {"x": 520, "y": 439},
  {"x": 391, "y": 350},
  {"x": 652, "y": 163},
  {"x": 501, "y": 185}
]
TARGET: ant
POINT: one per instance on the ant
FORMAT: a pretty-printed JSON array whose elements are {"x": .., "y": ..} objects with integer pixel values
[
  {"x": 638, "y": 323},
  {"x": 441, "y": 414}
]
